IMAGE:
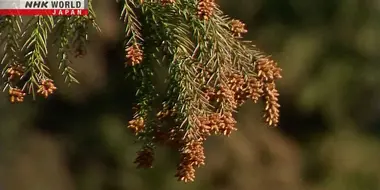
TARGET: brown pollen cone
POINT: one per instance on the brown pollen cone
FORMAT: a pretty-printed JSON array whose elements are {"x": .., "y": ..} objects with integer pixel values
[
  {"x": 227, "y": 124},
  {"x": 255, "y": 89},
  {"x": 16, "y": 95},
  {"x": 237, "y": 84},
  {"x": 136, "y": 125},
  {"x": 192, "y": 156},
  {"x": 268, "y": 70},
  {"x": 15, "y": 72},
  {"x": 239, "y": 90},
  {"x": 46, "y": 88},
  {"x": 171, "y": 137},
  {"x": 217, "y": 123},
  {"x": 226, "y": 95},
  {"x": 209, "y": 93},
  {"x": 272, "y": 109},
  {"x": 206, "y": 9},
  {"x": 134, "y": 55},
  {"x": 238, "y": 28},
  {"x": 145, "y": 158}
]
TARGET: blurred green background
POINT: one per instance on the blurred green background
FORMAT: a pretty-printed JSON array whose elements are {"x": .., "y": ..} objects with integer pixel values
[{"x": 328, "y": 138}]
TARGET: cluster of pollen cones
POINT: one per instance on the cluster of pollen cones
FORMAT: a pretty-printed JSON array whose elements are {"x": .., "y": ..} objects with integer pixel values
[
  {"x": 16, "y": 95},
  {"x": 234, "y": 92}
]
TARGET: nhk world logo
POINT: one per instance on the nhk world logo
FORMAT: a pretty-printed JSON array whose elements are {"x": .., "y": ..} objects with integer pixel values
[
  {"x": 54, "y": 4},
  {"x": 44, "y": 7}
]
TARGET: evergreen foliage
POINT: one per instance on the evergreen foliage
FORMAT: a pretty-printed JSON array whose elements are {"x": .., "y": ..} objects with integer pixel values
[{"x": 211, "y": 70}]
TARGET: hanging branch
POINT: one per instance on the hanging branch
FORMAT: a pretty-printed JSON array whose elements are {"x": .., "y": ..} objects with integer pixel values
[
  {"x": 12, "y": 69},
  {"x": 36, "y": 51},
  {"x": 64, "y": 27},
  {"x": 211, "y": 70}
]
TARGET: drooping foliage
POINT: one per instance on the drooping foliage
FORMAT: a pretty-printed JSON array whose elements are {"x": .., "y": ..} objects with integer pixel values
[{"x": 211, "y": 70}]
